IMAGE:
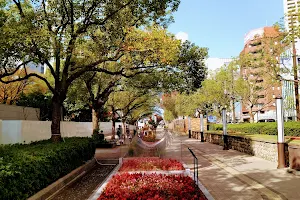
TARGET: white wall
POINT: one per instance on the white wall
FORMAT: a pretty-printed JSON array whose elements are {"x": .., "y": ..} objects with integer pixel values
[
  {"x": 11, "y": 132},
  {"x": 21, "y": 131},
  {"x": 106, "y": 127}
]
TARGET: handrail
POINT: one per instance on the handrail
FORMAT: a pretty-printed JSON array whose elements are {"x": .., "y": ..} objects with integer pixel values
[{"x": 195, "y": 166}]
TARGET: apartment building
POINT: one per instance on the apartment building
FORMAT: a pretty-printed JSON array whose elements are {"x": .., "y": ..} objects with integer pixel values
[
  {"x": 291, "y": 20},
  {"x": 291, "y": 9},
  {"x": 263, "y": 91}
]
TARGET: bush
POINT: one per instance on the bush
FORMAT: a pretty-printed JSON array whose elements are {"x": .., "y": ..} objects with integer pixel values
[
  {"x": 98, "y": 139},
  {"x": 269, "y": 128},
  {"x": 26, "y": 169}
]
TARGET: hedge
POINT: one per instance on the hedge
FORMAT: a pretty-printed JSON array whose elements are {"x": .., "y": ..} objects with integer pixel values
[
  {"x": 25, "y": 169},
  {"x": 268, "y": 128}
]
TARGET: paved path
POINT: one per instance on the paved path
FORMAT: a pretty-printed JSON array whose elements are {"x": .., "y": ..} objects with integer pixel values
[{"x": 233, "y": 175}]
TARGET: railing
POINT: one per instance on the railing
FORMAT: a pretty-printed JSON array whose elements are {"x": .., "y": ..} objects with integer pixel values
[{"x": 195, "y": 166}]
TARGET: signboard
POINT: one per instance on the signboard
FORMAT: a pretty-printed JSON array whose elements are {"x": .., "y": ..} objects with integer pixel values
[{"x": 211, "y": 119}]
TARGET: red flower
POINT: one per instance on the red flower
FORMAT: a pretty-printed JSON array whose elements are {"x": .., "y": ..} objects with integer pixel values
[
  {"x": 151, "y": 186},
  {"x": 150, "y": 164}
]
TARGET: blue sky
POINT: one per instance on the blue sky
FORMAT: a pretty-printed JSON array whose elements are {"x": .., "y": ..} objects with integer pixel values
[{"x": 221, "y": 25}]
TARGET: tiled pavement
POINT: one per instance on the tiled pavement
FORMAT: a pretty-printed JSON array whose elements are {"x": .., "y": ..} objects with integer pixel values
[{"x": 232, "y": 175}]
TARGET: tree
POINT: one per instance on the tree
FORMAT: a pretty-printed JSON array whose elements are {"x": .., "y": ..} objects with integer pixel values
[
  {"x": 41, "y": 31},
  {"x": 191, "y": 62},
  {"x": 128, "y": 103},
  {"x": 10, "y": 93},
  {"x": 154, "y": 48}
]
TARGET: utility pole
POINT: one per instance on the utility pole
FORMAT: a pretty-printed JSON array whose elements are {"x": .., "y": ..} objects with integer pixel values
[{"x": 295, "y": 70}]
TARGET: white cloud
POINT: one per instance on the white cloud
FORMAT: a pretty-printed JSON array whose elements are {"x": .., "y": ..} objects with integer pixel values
[{"x": 182, "y": 36}]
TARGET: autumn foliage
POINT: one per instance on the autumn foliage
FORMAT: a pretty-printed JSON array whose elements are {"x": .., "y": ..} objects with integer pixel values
[{"x": 10, "y": 93}]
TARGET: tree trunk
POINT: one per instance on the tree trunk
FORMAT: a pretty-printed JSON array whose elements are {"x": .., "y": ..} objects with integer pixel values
[
  {"x": 113, "y": 128},
  {"x": 56, "y": 118},
  {"x": 233, "y": 112},
  {"x": 95, "y": 120},
  {"x": 251, "y": 116},
  {"x": 124, "y": 127}
]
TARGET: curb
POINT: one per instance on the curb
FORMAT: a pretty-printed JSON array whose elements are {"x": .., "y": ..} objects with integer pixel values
[
  {"x": 58, "y": 185},
  {"x": 96, "y": 194},
  {"x": 203, "y": 188}
]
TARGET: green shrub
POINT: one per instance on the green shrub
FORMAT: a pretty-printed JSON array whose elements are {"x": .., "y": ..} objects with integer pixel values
[
  {"x": 27, "y": 168},
  {"x": 269, "y": 128},
  {"x": 98, "y": 139}
]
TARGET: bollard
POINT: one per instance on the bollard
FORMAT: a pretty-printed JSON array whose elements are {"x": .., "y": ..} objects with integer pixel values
[
  {"x": 280, "y": 137},
  {"x": 225, "y": 137},
  {"x": 201, "y": 128},
  {"x": 190, "y": 132}
]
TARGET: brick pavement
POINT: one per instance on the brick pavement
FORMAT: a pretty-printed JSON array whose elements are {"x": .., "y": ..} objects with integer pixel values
[{"x": 234, "y": 175}]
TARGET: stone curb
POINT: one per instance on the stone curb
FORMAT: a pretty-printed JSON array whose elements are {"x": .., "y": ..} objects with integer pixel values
[
  {"x": 101, "y": 188},
  {"x": 63, "y": 182},
  {"x": 203, "y": 188}
]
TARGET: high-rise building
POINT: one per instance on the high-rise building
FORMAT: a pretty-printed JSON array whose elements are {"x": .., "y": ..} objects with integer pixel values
[
  {"x": 291, "y": 8},
  {"x": 291, "y": 17},
  {"x": 261, "y": 101}
]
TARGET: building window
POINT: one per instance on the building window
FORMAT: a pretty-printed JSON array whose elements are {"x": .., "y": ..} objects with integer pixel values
[
  {"x": 261, "y": 96},
  {"x": 273, "y": 88},
  {"x": 274, "y": 104},
  {"x": 262, "y": 112},
  {"x": 278, "y": 88},
  {"x": 273, "y": 96}
]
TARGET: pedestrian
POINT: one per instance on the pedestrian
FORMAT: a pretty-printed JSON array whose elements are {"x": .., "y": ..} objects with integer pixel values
[{"x": 119, "y": 132}]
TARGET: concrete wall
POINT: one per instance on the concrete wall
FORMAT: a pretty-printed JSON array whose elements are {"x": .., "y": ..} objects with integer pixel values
[
  {"x": 21, "y": 131},
  {"x": 262, "y": 149},
  {"x": 11, "y": 112}
]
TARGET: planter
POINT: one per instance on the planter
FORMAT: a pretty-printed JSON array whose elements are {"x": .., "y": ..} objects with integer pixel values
[{"x": 158, "y": 176}]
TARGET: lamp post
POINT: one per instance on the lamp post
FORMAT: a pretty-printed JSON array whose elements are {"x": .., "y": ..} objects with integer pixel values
[
  {"x": 280, "y": 136},
  {"x": 225, "y": 137},
  {"x": 201, "y": 127}
]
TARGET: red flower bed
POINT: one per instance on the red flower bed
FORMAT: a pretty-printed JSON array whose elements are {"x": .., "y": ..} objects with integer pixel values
[
  {"x": 150, "y": 164},
  {"x": 151, "y": 186}
]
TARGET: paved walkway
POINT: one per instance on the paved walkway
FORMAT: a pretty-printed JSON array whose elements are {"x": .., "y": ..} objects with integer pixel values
[{"x": 232, "y": 175}]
